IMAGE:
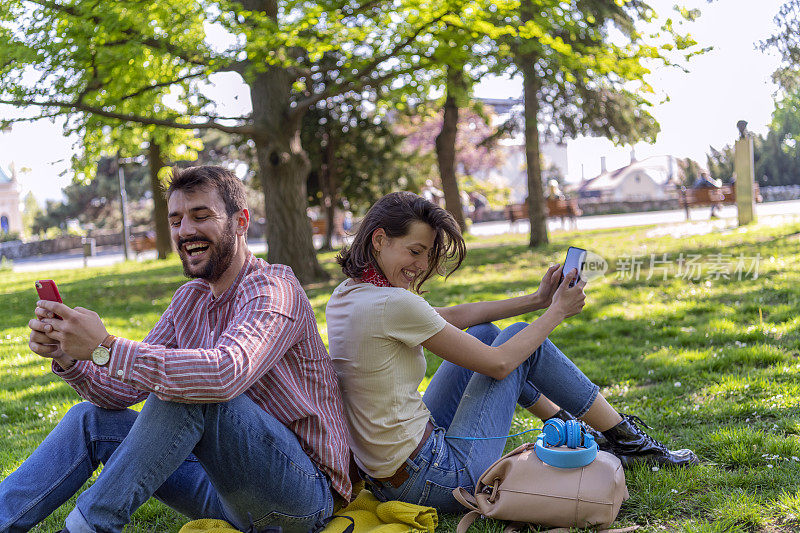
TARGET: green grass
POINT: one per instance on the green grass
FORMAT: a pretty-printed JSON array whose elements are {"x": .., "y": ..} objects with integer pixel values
[{"x": 711, "y": 364}]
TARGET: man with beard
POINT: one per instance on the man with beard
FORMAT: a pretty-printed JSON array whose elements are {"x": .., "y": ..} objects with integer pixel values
[{"x": 243, "y": 418}]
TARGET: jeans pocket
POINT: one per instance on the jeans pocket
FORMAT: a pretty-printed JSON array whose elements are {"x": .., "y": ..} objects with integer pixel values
[
  {"x": 290, "y": 522},
  {"x": 440, "y": 497}
]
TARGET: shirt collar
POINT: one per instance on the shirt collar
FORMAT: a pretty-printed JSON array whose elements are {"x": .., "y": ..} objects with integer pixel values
[{"x": 249, "y": 265}]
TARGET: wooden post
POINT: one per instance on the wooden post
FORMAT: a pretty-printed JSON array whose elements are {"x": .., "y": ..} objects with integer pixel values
[{"x": 744, "y": 167}]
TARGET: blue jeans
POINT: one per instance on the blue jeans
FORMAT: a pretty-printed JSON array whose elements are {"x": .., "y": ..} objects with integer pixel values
[
  {"x": 231, "y": 461},
  {"x": 467, "y": 404}
]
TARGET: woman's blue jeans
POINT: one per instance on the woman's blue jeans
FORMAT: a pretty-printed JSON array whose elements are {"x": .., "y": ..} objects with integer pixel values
[
  {"x": 467, "y": 404},
  {"x": 244, "y": 465}
]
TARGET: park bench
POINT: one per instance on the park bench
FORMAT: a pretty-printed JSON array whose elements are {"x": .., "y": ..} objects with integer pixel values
[
  {"x": 725, "y": 195},
  {"x": 319, "y": 227},
  {"x": 555, "y": 207}
]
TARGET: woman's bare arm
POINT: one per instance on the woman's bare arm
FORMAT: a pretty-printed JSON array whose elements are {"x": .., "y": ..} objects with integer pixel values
[
  {"x": 464, "y": 350},
  {"x": 463, "y": 316}
]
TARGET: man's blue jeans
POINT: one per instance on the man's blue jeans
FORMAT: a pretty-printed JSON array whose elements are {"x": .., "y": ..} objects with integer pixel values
[
  {"x": 466, "y": 404},
  {"x": 244, "y": 465}
]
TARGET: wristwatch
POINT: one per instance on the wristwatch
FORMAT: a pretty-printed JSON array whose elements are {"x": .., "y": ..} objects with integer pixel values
[{"x": 102, "y": 354}]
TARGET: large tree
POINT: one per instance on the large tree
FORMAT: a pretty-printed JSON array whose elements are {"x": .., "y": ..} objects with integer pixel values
[
  {"x": 584, "y": 70},
  {"x": 85, "y": 57},
  {"x": 474, "y": 149},
  {"x": 466, "y": 51},
  {"x": 356, "y": 157}
]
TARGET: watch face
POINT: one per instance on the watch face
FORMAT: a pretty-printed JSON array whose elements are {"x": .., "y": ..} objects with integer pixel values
[{"x": 101, "y": 355}]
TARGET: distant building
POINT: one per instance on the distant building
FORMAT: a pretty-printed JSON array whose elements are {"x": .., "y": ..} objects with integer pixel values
[
  {"x": 649, "y": 179},
  {"x": 514, "y": 173},
  {"x": 10, "y": 215}
]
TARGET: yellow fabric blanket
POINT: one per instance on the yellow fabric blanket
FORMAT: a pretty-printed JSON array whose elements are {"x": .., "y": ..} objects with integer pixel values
[
  {"x": 370, "y": 516},
  {"x": 208, "y": 525}
]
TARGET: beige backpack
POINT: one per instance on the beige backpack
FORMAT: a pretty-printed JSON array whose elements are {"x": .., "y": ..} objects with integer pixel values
[{"x": 519, "y": 487}]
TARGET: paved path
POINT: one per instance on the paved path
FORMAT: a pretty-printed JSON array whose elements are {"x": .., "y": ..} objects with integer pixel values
[
  {"x": 773, "y": 212},
  {"x": 763, "y": 211}
]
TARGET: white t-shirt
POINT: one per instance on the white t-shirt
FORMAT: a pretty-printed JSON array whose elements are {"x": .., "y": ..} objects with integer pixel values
[{"x": 374, "y": 337}]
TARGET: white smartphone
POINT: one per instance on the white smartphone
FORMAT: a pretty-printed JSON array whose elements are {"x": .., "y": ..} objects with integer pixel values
[{"x": 576, "y": 258}]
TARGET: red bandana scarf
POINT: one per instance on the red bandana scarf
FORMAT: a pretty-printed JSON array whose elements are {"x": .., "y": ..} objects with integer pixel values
[{"x": 372, "y": 275}]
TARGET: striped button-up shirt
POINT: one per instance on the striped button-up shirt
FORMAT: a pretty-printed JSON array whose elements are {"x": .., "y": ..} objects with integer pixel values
[{"x": 259, "y": 338}]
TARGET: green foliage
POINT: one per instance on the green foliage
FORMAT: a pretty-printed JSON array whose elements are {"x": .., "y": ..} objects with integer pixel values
[
  {"x": 776, "y": 155},
  {"x": 592, "y": 60},
  {"x": 31, "y": 210},
  {"x": 688, "y": 171},
  {"x": 786, "y": 42},
  {"x": 499, "y": 196},
  {"x": 356, "y": 154},
  {"x": 96, "y": 203},
  {"x": 152, "y": 65},
  {"x": 9, "y": 236}
]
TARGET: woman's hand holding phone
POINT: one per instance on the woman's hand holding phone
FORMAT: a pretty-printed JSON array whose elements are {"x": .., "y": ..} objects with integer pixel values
[
  {"x": 548, "y": 286},
  {"x": 569, "y": 301}
]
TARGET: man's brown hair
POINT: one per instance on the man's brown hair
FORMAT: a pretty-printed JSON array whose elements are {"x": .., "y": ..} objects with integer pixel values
[{"x": 228, "y": 186}]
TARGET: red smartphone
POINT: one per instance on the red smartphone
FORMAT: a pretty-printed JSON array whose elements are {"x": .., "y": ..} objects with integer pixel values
[{"x": 47, "y": 290}]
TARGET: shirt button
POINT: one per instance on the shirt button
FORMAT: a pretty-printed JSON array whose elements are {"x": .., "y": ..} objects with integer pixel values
[
  {"x": 157, "y": 387},
  {"x": 435, "y": 464},
  {"x": 120, "y": 372}
]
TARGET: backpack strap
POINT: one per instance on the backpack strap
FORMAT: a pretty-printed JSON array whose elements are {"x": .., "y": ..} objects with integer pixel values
[
  {"x": 518, "y": 527},
  {"x": 514, "y": 527},
  {"x": 465, "y": 498},
  {"x": 466, "y": 521}
]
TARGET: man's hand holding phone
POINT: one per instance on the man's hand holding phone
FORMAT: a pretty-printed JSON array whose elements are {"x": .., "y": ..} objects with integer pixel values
[
  {"x": 78, "y": 332},
  {"x": 42, "y": 344}
]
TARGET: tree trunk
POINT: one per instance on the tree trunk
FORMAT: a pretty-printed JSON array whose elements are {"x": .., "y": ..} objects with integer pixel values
[
  {"x": 283, "y": 169},
  {"x": 156, "y": 163},
  {"x": 329, "y": 188},
  {"x": 530, "y": 86},
  {"x": 446, "y": 148}
]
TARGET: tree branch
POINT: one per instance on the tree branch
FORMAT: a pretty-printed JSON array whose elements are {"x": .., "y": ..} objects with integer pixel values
[
  {"x": 247, "y": 130},
  {"x": 362, "y": 8},
  {"x": 9, "y": 121},
  {"x": 359, "y": 81},
  {"x": 159, "y": 85}
]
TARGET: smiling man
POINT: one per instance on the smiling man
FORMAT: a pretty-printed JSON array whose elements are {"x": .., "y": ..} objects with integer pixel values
[{"x": 243, "y": 419}]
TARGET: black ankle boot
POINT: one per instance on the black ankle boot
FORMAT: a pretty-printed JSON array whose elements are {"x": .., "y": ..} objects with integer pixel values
[
  {"x": 632, "y": 445},
  {"x": 602, "y": 442}
]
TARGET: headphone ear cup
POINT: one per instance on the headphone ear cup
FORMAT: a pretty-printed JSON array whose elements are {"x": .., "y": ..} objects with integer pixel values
[
  {"x": 555, "y": 432},
  {"x": 573, "y": 434}
]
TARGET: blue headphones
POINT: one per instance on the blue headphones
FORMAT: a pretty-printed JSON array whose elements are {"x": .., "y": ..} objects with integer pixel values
[{"x": 581, "y": 448}]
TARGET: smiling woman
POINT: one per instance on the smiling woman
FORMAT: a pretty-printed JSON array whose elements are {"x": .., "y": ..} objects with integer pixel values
[{"x": 419, "y": 449}]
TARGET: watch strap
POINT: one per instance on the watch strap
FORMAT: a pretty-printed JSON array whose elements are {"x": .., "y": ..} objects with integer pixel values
[{"x": 108, "y": 342}]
